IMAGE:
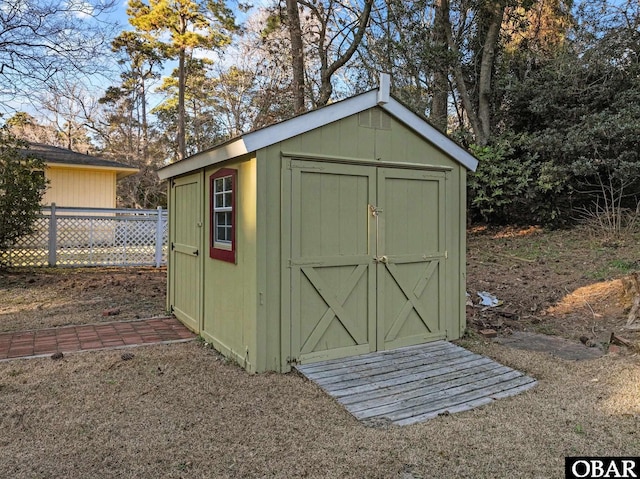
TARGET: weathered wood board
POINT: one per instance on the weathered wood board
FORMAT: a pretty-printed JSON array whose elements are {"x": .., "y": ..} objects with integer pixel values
[{"x": 416, "y": 383}]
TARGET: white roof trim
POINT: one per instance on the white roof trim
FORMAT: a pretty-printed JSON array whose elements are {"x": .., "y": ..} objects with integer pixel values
[
  {"x": 235, "y": 148},
  {"x": 314, "y": 119},
  {"x": 309, "y": 121}
]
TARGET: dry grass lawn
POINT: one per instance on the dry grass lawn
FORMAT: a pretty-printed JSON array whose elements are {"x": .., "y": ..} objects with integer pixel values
[{"x": 180, "y": 411}]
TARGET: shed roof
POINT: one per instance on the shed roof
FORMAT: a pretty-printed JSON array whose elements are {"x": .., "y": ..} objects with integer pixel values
[
  {"x": 284, "y": 130},
  {"x": 61, "y": 156}
]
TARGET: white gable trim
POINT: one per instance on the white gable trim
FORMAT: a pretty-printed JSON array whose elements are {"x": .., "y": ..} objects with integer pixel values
[
  {"x": 309, "y": 121},
  {"x": 201, "y": 160},
  {"x": 315, "y": 119}
]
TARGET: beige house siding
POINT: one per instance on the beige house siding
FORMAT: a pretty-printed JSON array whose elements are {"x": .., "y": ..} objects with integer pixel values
[{"x": 87, "y": 188}]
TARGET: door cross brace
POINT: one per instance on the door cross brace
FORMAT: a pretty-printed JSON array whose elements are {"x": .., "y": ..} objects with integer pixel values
[
  {"x": 335, "y": 308},
  {"x": 412, "y": 295}
]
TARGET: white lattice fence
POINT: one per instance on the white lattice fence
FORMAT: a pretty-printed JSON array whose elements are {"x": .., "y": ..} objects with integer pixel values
[
  {"x": 94, "y": 237},
  {"x": 30, "y": 250}
]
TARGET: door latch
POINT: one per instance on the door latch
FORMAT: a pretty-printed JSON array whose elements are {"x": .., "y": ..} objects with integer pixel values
[
  {"x": 375, "y": 211},
  {"x": 382, "y": 259}
]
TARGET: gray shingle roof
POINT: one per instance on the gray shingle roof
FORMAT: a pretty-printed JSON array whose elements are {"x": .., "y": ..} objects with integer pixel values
[{"x": 53, "y": 154}]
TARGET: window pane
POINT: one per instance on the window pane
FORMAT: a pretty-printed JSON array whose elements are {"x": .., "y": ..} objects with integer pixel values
[
  {"x": 221, "y": 219},
  {"x": 222, "y": 215},
  {"x": 220, "y": 234}
]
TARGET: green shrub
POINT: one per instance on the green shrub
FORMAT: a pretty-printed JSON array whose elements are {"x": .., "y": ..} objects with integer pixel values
[{"x": 21, "y": 188}]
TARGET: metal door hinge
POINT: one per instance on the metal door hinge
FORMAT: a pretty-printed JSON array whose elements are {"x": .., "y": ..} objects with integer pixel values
[
  {"x": 173, "y": 246},
  {"x": 305, "y": 263},
  {"x": 306, "y": 167},
  {"x": 291, "y": 360}
]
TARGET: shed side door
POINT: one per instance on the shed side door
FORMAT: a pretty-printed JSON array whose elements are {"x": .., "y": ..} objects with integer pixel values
[
  {"x": 411, "y": 254},
  {"x": 185, "y": 285},
  {"x": 332, "y": 269}
]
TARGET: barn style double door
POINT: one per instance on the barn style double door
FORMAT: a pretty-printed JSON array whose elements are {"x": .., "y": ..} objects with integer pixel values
[{"x": 367, "y": 251}]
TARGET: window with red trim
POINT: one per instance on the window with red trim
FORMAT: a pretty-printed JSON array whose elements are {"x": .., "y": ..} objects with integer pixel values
[{"x": 222, "y": 236}]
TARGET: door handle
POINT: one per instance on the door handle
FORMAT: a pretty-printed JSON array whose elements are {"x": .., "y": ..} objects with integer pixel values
[{"x": 382, "y": 259}]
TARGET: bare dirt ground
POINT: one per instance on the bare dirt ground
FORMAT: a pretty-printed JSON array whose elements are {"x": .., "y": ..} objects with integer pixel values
[
  {"x": 568, "y": 283},
  {"x": 48, "y": 297},
  {"x": 181, "y": 411}
]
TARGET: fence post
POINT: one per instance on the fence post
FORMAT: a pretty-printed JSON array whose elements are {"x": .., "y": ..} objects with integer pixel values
[
  {"x": 53, "y": 236},
  {"x": 159, "y": 238}
]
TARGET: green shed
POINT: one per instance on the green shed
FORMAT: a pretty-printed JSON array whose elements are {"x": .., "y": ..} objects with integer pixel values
[{"x": 336, "y": 233}]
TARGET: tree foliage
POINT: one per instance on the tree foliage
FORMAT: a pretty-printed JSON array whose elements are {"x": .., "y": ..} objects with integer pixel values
[
  {"x": 177, "y": 27},
  {"x": 579, "y": 116},
  {"x": 544, "y": 92},
  {"x": 125, "y": 131}
]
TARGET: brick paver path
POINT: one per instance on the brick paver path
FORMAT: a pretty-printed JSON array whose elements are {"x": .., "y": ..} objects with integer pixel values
[{"x": 66, "y": 339}]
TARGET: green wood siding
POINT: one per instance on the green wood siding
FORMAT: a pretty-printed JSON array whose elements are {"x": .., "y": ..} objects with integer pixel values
[
  {"x": 335, "y": 139},
  {"x": 436, "y": 231},
  {"x": 230, "y": 295},
  {"x": 272, "y": 323}
]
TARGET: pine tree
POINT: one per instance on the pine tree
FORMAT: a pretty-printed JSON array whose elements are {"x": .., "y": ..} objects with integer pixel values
[{"x": 177, "y": 27}]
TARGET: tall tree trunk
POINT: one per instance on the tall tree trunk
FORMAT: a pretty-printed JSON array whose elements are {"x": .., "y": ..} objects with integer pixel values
[
  {"x": 145, "y": 124},
  {"x": 461, "y": 86},
  {"x": 486, "y": 68},
  {"x": 297, "y": 54},
  {"x": 439, "y": 102},
  {"x": 182, "y": 148},
  {"x": 479, "y": 116}
]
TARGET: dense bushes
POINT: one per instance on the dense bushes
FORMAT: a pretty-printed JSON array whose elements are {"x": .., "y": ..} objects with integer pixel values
[{"x": 569, "y": 143}]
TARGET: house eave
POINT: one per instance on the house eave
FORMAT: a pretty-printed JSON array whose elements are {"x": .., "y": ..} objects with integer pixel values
[{"x": 121, "y": 172}]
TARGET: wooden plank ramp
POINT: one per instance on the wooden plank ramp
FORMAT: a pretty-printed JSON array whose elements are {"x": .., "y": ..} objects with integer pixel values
[{"x": 416, "y": 383}]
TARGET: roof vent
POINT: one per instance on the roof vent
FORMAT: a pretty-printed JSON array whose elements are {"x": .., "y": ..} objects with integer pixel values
[{"x": 374, "y": 118}]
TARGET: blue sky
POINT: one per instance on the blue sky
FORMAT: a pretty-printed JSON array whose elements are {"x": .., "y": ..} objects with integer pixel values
[{"x": 96, "y": 85}]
